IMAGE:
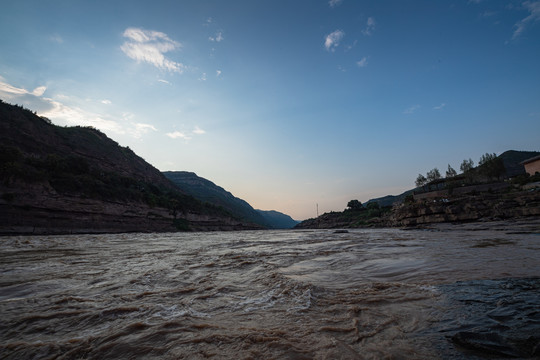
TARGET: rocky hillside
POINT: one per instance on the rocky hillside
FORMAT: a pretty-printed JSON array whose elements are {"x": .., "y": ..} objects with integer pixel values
[
  {"x": 75, "y": 179},
  {"x": 205, "y": 190},
  {"x": 487, "y": 206},
  {"x": 510, "y": 159},
  {"x": 496, "y": 190}
]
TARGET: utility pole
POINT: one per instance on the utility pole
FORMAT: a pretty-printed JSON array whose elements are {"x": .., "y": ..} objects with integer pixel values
[{"x": 317, "y": 209}]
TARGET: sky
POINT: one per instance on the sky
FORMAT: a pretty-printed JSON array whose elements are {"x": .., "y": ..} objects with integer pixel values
[{"x": 288, "y": 104}]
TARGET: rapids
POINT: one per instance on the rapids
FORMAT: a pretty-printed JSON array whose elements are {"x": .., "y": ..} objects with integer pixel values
[{"x": 314, "y": 294}]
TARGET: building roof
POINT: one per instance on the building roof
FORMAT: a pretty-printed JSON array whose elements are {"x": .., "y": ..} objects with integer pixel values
[{"x": 530, "y": 160}]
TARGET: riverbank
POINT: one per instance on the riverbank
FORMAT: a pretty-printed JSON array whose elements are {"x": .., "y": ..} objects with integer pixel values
[{"x": 512, "y": 205}]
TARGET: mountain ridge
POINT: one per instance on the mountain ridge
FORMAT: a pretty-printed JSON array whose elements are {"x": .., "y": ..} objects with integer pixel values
[
  {"x": 205, "y": 190},
  {"x": 75, "y": 179}
]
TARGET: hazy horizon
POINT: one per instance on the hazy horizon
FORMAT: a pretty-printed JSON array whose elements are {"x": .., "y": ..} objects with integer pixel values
[{"x": 286, "y": 104}]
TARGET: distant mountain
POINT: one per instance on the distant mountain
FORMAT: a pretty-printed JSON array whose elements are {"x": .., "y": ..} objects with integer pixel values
[
  {"x": 278, "y": 220},
  {"x": 75, "y": 179},
  {"x": 390, "y": 200},
  {"x": 512, "y": 161},
  {"x": 205, "y": 190}
]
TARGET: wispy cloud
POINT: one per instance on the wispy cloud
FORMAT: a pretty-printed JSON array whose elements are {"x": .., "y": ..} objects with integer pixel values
[
  {"x": 186, "y": 135},
  {"x": 334, "y": 3},
  {"x": 150, "y": 46},
  {"x": 199, "y": 131},
  {"x": 203, "y": 77},
  {"x": 411, "y": 109},
  {"x": 218, "y": 73},
  {"x": 488, "y": 14},
  {"x": 332, "y": 40},
  {"x": 362, "y": 62},
  {"x": 370, "y": 26},
  {"x": 217, "y": 38},
  {"x": 106, "y": 102},
  {"x": 139, "y": 129},
  {"x": 178, "y": 135},
  {"x": 439, "y": 107},
  {"x": 534, "y": 15},
  {"x": 39, "y": 91},
  {"x": 164, "y": 81},
  {"x": 56, "y": 38},
  {"x": 9, "y": 90},
  {"x": 70, "y": 115}
]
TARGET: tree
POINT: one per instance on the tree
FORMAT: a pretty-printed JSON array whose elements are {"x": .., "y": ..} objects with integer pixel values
[
  {"x": 420, "y": 180},
  {"x": 450, "y": 172},
  {"x": 491, "y": 166},
  {"x": 487, "y": 157},
  {"x": 355, "y": 205},
  {"x": 466, "y": 165},
  {"x": 373, "y": 206},
  {"x": 433, "y": 175}
]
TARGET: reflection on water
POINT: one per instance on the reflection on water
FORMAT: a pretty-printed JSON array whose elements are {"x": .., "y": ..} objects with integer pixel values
[{"x": 366, "y": 294}]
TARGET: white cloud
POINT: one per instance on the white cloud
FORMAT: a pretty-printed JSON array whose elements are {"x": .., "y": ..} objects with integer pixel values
[
  {"x": 334, "y": 3},
  {"x": 106, "y": 102},
  {"x": 534, "y": 15},
  {"x": 177, "y": 134},
  {"x": 370, "y": 26},
  {"x": 332, "y": 40},
  {"x": 164, "y": 81},
  {"x": 62, "y": 114},
  {"x": 199, "y": 131},
  {"x": 203, "y": 77},
  {"x": 362, "y": 63},
  {"x": 139, "y": 129},
  {"x": 39, "y": 91},
  {"x": 411, "y": 109},
  {"x": 218, "y": 73},
  {"x": 150, "y": 46},
  {"x": 439, "y": 107},
  {"x": 8, "y": 90},
  {"x": 217, "y": 38},
  {"x": 76, "y": 116}
]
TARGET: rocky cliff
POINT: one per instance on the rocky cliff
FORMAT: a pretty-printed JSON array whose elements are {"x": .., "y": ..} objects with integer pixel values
[
  {"x": 478, "y": 207},
  {"x": 509, "y": 203},
  {"x": 75, "y": 179}
]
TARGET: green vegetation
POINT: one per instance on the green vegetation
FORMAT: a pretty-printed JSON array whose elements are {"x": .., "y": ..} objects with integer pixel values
[
  {"x": 354, "y": 205},
  {"x": 365, "y": 216},
  {"x": 74, "y": 175},
  {"x": 490, "y": 168},
  {"x": 83, "y": 161},
  {"x": 450, "y": 172},
  {"x": 466, "y": 165}
]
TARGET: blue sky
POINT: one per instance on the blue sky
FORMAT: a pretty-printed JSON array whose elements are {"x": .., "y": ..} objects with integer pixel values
[{"x": 287, "y": 104}]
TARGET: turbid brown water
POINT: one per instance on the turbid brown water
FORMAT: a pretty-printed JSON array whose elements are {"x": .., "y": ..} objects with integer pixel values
[{"x": 365, "y": 294}]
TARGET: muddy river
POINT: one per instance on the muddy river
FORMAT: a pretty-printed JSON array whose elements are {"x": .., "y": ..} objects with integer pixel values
[{"x": 314, "y": 294}]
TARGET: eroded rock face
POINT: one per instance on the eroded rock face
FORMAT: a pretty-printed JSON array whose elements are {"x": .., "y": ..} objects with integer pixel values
[
  {"x": 471, "y": 208},
  {"x": 482, "y": 207},
  {"x": 38, "y": 209}
]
